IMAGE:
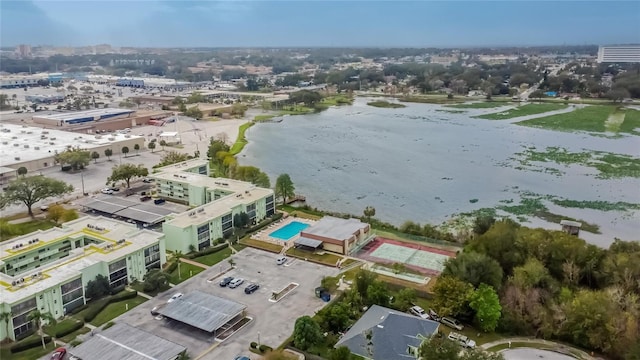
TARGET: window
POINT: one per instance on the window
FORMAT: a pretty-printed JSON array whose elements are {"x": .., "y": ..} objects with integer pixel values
[{"x": 117, "y": 265}]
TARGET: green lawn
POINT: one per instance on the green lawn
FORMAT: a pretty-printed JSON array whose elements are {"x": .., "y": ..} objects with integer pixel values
[
  {"x": 528, "y": 109},
  {"x": 241, "y": 141},
  {"x": 9, "y": 231},
  {"x": 336, "y": 100},
  {"x": 385, "y": 104},
  {"x": 326, "y": 258},
  {"x": 214, "y": 258},
  {"x": 296, "y": 110},
  {"x": 51, "y": 330},
  {"x": 631, "y": 122},
  {"x": 70, "y": 337},
  {"x": 114, "y": 310},
  {"x": 479, "y": 105},
  {"x": 263, "y": 117},
  {"x": 35, "y": 353},
  {"x": 262, "y": 245},
  {"x": 590, "y": 118},
  {"x": 186, "y": 271}
]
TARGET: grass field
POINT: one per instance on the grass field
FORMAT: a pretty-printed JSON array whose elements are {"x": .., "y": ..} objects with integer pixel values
[
  {"x": 263, "y": 117},
  {"x": 631, "y": 122},
  {"x": 241, "y": 141},
  {"x": 262, "y": 245},
  {"x": 385, "y": 104},
  {"x": 216, "y": 257},
  {"x": 186, "y": 271},
  {"x": 524, "y": 110},
  {"x": 69, "y": 337},
  {"x": 326, "y": 258},
  {"x": 116, "y": 309},
  {"x": 479, "y": 105},
  {"x": 51, "y": 330},
  {"x": 30, "y": 354},
  {"x": 9, "y": 231},
  {"x": 336, "y": 100},
  {"x": 590, "y": 118}
]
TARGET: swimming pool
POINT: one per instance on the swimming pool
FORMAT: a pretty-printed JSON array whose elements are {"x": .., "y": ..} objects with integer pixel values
[{"x": 288, "y": 231}]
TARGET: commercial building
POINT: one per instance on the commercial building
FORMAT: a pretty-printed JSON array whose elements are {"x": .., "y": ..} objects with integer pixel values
[
  {"x": 79, "y": 117},
  {"x": 49, "y": 270},
  {"x": 619, "y": 54},
  {"x": 16, "y": 81},
  {"x": 216, "y": 202},
  {"x": 36, "y": 148},
  {"x": 122, "y": 341},
  {"x": 334, "y": 234},
  {"x": 44, "y": 99},
  {"x": 386, "y": 334}
]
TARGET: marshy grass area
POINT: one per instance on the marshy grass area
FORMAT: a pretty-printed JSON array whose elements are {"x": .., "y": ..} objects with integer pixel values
[
  {"x": 594, "y": 118},
  {"x": 9, "y": 231},
  {"x": 480, "y": 105},
  {"x": 385, "y": 104},
  {"x": 524, "y": 110},
  {"x": 241, "y": 140}
]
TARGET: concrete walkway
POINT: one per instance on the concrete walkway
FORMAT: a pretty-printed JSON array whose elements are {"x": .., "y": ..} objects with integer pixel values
[
  {"x": 553, "y": 346},
  {"x": 194, "y": 263}
]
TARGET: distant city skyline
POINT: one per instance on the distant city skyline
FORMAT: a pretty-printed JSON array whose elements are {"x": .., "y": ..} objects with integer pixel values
[{"x": 153, "y": 23}]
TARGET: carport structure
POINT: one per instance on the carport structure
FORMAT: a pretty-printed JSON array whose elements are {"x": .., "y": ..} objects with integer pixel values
[
  {"x": 116, "y": 206},
  {"x": 206, "y": 312},
  {"x": 122, "y": 341}
]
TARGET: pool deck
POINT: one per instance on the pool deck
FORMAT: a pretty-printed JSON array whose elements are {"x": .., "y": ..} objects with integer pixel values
[{"x": 263, "y": 235}]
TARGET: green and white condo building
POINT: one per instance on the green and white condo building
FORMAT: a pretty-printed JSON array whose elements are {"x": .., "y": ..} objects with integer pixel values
[{"x": 49, "y": 270}]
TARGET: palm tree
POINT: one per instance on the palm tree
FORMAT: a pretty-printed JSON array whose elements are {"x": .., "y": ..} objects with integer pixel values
[
  {"x": 177, "y": 254},
  {"x": 369, "y": 211},
  {"x": 136, "y": 147},
  {"x": 125, "y": 151},
  {"x": 152, "y": 145},
  {"x": 7, "y": 317},
  {"x": 39, "y": 317}
]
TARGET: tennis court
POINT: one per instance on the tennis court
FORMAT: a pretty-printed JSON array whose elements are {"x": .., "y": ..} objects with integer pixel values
[{"x": 425, "y": 259}]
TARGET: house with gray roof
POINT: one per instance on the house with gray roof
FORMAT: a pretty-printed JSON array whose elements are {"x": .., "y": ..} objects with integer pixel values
[{"x": 387, "y": 334}]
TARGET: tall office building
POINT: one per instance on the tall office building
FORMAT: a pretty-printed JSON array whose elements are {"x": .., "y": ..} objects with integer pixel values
[{"x": 619, "y": 54}]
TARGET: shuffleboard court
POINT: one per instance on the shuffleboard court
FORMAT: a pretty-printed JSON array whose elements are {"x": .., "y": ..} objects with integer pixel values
[{"x": 425, "y": 259}]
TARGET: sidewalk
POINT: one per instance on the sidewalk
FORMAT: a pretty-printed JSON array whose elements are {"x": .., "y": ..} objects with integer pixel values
[
  {"x": 195, "y": 263},
  {"x": 553, "y": 346}
]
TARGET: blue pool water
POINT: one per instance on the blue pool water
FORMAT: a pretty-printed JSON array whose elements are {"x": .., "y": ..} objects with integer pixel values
[{"x": 288, "y": 231}]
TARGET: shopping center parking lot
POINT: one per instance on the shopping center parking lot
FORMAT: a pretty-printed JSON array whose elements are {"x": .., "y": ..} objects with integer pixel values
[{"x": 273, "y": 321}]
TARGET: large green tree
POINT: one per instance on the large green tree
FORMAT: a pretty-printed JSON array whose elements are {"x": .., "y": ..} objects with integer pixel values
[
  {"x": 30, "y": 190},
  {"x": 475, "y": 268},
  {"x": 126, "y": 172},
  {"x": 284, "y": 187},
  {"x": 589, "y": 320},
  {"x": 306, "y": 333},
  {"x": 75, "y": 157},
  {"x": 438, "y": 348},
  {"x": 97, "y": 287},
  {"x": 335, "y": 318},
  {"x": 253, "y": 175},
  {"x": 173, "y": 157},
  {"x": 486, "y": 304},
  {"x": 6, "y": 317},
  {"x": 156, "y": 279},
  {"x": 378, "y": 294},
  {"x": 451, "y": 295}
]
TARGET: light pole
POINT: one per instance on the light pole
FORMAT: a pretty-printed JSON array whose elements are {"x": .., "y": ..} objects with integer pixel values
[{"x": 82, "y": 179}]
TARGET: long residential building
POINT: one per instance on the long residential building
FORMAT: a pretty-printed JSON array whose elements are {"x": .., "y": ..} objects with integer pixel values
[
  {"x": 49, "y": 270},
  {"x": 216, "y": 203},
  {"x": 619, "y": 54}
]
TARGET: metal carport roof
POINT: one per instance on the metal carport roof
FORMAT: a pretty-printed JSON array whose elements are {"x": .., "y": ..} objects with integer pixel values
[
  {"x": 203, "y": 311},
  {"x": 308, "y": 242}
]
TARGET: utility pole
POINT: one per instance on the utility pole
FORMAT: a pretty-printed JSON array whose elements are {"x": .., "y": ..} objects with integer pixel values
[{"x": 82, "y": 179}]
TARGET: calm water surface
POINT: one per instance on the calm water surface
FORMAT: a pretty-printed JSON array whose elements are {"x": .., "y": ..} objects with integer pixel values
[{"x": 420, "y": 164}]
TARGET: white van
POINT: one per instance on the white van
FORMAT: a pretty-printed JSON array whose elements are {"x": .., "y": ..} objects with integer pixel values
[
  {"x": 235, "y": 283},
  {"x": 281, "y": 260}
]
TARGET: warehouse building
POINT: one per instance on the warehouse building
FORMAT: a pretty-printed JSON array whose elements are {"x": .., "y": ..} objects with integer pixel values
[
  {"x": 49, "y": 270},
  {"x": 619, "y": 54},
  {"x": 79, "y": 117},
  {"x": 36, "y": 148},
  {"x": 216, "y": 200}
]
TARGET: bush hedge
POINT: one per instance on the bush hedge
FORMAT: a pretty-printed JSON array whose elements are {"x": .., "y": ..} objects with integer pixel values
[
  {"x": 68, "y": 328},
  {"x": 171, "y": 268},
  {"x": 29, "y": 343},
  {"x": 108, "y": 325},
  {"x": 277, "y": 216},
  {"x": 117, "y": 290},
  {"x": 99, "y": 305},
  {"x": 253, "y": 345},
  {"x": 79, "y": 308},
  {"x": 207, "y": 251},
  {"x": 264, "y": 348}
]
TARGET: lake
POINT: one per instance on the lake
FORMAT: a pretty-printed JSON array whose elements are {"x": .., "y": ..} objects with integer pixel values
[{"x": 421, "y": 164}]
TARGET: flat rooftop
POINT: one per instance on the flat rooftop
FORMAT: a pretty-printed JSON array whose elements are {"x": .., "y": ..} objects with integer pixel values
[
  {"x": 203, "y": 311},
  {"x": 28, "y": 143},
  {"x": 94, "y": 113},
  {"x": 335, "y": 228},
  {"x": 122, "y": 341},
  {"x": 106, "y": 230},
  {"x": 135, "y": 210}
]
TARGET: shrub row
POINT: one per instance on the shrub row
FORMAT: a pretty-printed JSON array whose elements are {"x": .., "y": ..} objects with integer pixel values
[
  {"x": 99, "y": 305},
  {"x": 29, "y": 343},
  {"x": 207, "y": 251},
  {"x": 79, "y": 308},
  {"x": 68, "y": 328},
  {"x": 171, "y": 268},
  {"x": 264, "y": 348}
]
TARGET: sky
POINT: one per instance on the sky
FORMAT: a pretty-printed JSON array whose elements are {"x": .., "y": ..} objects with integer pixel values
[{"x": 315, "y": 23}]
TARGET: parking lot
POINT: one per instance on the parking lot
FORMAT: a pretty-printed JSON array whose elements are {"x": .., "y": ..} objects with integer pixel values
[{"x": 273, "y": 322}]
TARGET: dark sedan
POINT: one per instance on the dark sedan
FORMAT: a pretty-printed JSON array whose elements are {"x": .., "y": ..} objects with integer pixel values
[
  {"x": 251, "y": 288},
  {"x": 226, "y": 281}
]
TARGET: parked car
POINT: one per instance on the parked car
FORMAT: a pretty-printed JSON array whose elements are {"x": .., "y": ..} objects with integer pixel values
[
  {"x": 434, "y": 315},
  {"x": 147, "y": 180},
  {"x": 158, "y": 201},
  {"x": 418, "y": 311},
  {"x": 251, "y": 288},
  {"x": 59, "y": 354},
  {"x": 107, "y": 191},
  {"x": 241, "y": 358},
  {"x": 175, "y": 297},
  {"x": 462, "y": 340},
  {"x": 226, "y": 281},
  {"x": 154, "y": 311},
  {"x": 236, "y": 282},
  {"x": 44, "y": 208},
  {"x": 114, "y": 189},
  {"x": 145, "y": 198},
  {"x": 452, "y": 323},
  {"x": 281, "y": 260}
]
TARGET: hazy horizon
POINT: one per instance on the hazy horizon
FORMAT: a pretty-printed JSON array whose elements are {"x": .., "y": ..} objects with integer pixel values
[{"x": 210, "y": 24}]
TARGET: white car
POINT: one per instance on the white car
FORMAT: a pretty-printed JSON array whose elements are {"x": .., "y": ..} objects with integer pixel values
[
  {"x": 235, "y": 283},
  {"x": 281, "y": 260},
  {"x": 418, "y": 311},
  {"x": 462, "y": 340},
  {"x": 107, "y": 191},
  {"x": 175, "y": 297}
]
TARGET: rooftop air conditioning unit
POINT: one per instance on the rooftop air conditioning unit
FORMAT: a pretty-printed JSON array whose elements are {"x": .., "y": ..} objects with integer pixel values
[
  {"x": 127, "y": 136},
  {"x": 52, "y": 138},
  {"x": 51, "y": 143},
  {"x": 23, "y": 131},
  {"x": 26, "y": 146},
  {"x": 5, "y": 143},
  {"x": 29, "y": 132},
  {"x": 16, "y": 144},
  {"x": 98, "y": 136},
  {"x": 111, "y": 139},
  {"x": 17, "y": 158},
  {"x": 45, "y": 132},
  {"x": 36, "y": 147},
  {"x": 14, "y": 137}
]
